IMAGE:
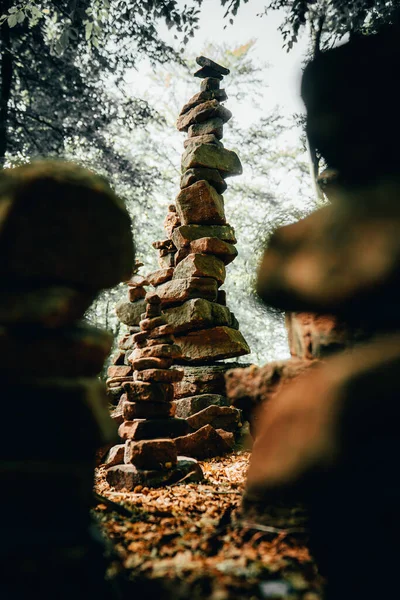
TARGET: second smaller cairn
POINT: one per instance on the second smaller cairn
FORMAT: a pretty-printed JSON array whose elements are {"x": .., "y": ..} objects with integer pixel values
[{"x": 149, "y": 455}]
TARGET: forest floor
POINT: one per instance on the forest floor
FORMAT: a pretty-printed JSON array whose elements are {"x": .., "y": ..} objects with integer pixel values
[{"x": 189, "y": 540}]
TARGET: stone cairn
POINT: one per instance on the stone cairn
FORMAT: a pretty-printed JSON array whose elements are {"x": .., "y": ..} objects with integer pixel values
[
  {"x": 330, "y": 438},
  {"x": 55, "y": 412},
  {"x": 192, "y": 262}
]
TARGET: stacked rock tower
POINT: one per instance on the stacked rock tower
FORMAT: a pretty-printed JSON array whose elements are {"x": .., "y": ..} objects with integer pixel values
[
  {"x": 192, "y": 259},
  {"x": 57, "y": 414}
]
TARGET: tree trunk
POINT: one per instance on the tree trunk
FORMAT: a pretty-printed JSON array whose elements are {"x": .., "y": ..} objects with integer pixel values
[{"x": 5, "y": 89}]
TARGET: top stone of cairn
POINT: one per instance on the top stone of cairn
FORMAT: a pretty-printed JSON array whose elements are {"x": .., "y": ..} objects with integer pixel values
[{"x": 209, "y": 68}]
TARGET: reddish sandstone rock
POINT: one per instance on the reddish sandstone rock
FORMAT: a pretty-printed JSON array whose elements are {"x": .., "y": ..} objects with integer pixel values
[
  {"x": 117, "y": 414},
  {"x": 140, "y": 391},
  {"x": 203, "y": 112},
  {"x": 248, "y": 388},
  {"x": 119, "y": 371},
  {"x": 142, "y": 429},
  {"x": 348, "y": 403},
  {"x": 185, "y": 234},
  {"x": 140, "y": 364},
  {"x": 220, "y": 417},
  {"x": 203, "y": 443},
  {"x": 204, "y": 96},
  {"x": 137, "y": 281},
  {"x": 127, "y": 477},
  {"x": 197, "y": 314},
  {"x": 180, "y": 290},
  {"x": 44, "y": 204},
  {"x": 127, "y": 342},
  {"x": 211, "y": 126},
  {"x": 157, "y": 454},
  {"x": 149, "y": 324},
  {"x": 201, "y": 265},
  {"x": 185, "y": 407},
  {"x": 342, "y": 259},
  {"x": 163, "y": 339},
  {"x": 117, "y": 381},
  {"x": 213, "y": 176},
  {"x": 153, "y": 310},
  {"x": 171, "y": 221},
  {"x": 207, "y": 345},
  {"x": 164, "y": 245},
  {"x": 200, "y": 204},
  {"x": 159, "y": 375},
  {"x": 147, "y": 410},
  {"x": 228, "y": 436},
  {"x": 115, "y": 456},
  {"x": 209, "y": 156},
  {"x": 160, "y": 351},
  {"x": 212, "y": 245},
  {"x": 114, "y": 394},
  {"x": 160, "y": 276},
  {"x": 136, "y": 293},
  {"x": 77, "y": 351},
  {"x": 129, "y": 313},
  {"x": 205, "y": 379},
  {"x": 316, "y": 336}
]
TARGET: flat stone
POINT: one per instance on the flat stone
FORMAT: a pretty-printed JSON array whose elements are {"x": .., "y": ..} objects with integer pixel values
[
  {"x": 45, "y": 208},
  {"x": 207, "y": 345},
  {"x": 143, "y": 429},
  {"x": 141, "y": 391},
  {"x": 200, "y": 204},
  {"x": 203, "y": 112},
  {"x": 210, "y": 83},
  {"x": 160, "y": 332},
  {"x": 45, "y": 306},
  {"x": 127, "y": 342},
  {"x": 76, "y": 351},
  {"x": 160, "y": 276},
  {"x": 147, "y": 410},
  {"x": 117, "y": 413},
  {"x": 220, "y": 417},
  {"x": 198, "y": 140},
  {"x": 185, "y": 234},
  {"x": 185, "y": 407},
  {"x": 213, "y": 126},
  {"x": 129, "y": 312},
  {"x": 211, "y": 245},
  {"x": 149, "y": 324},
  {"x": 127, "y": 477},
  {"x": 164, "y": 339},
  {"x": 203, "y": 443},
  {"x": 180, "y": 290},
  {"x": 119, "y": 371},
  {"x": 205, "y": 379},
  {"x": 203, "y": 61},
  {"x": 170, "y": 222},
  {"x": 207, "y": 155},
  {"x": 207, "y": 72},
  {"x": 157, "y": 454},
  {"x": 117, "y": 381},
  {"x": 136, "y": 293},
  {"x": 171, "y": 351},
  {"x": 159, "y": 375},
  {"x": 153, "y": 298},
  {"x": 141, "y": 364},
  {"x": 228, "y": 436},
  {"x": 115, "y": 456},
  {"x": 197, "y": 314},
  {"x": 204, "y": 96},
  {"x": 212, "y": 176},
  {"x": 201, "y": 265}
]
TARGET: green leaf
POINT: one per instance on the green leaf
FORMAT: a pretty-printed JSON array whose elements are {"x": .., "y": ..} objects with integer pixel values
[
  {"x": 12, "y": 20},
  {"x": 88, "y": 30},
  {"x": 20, "y": 16}
]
